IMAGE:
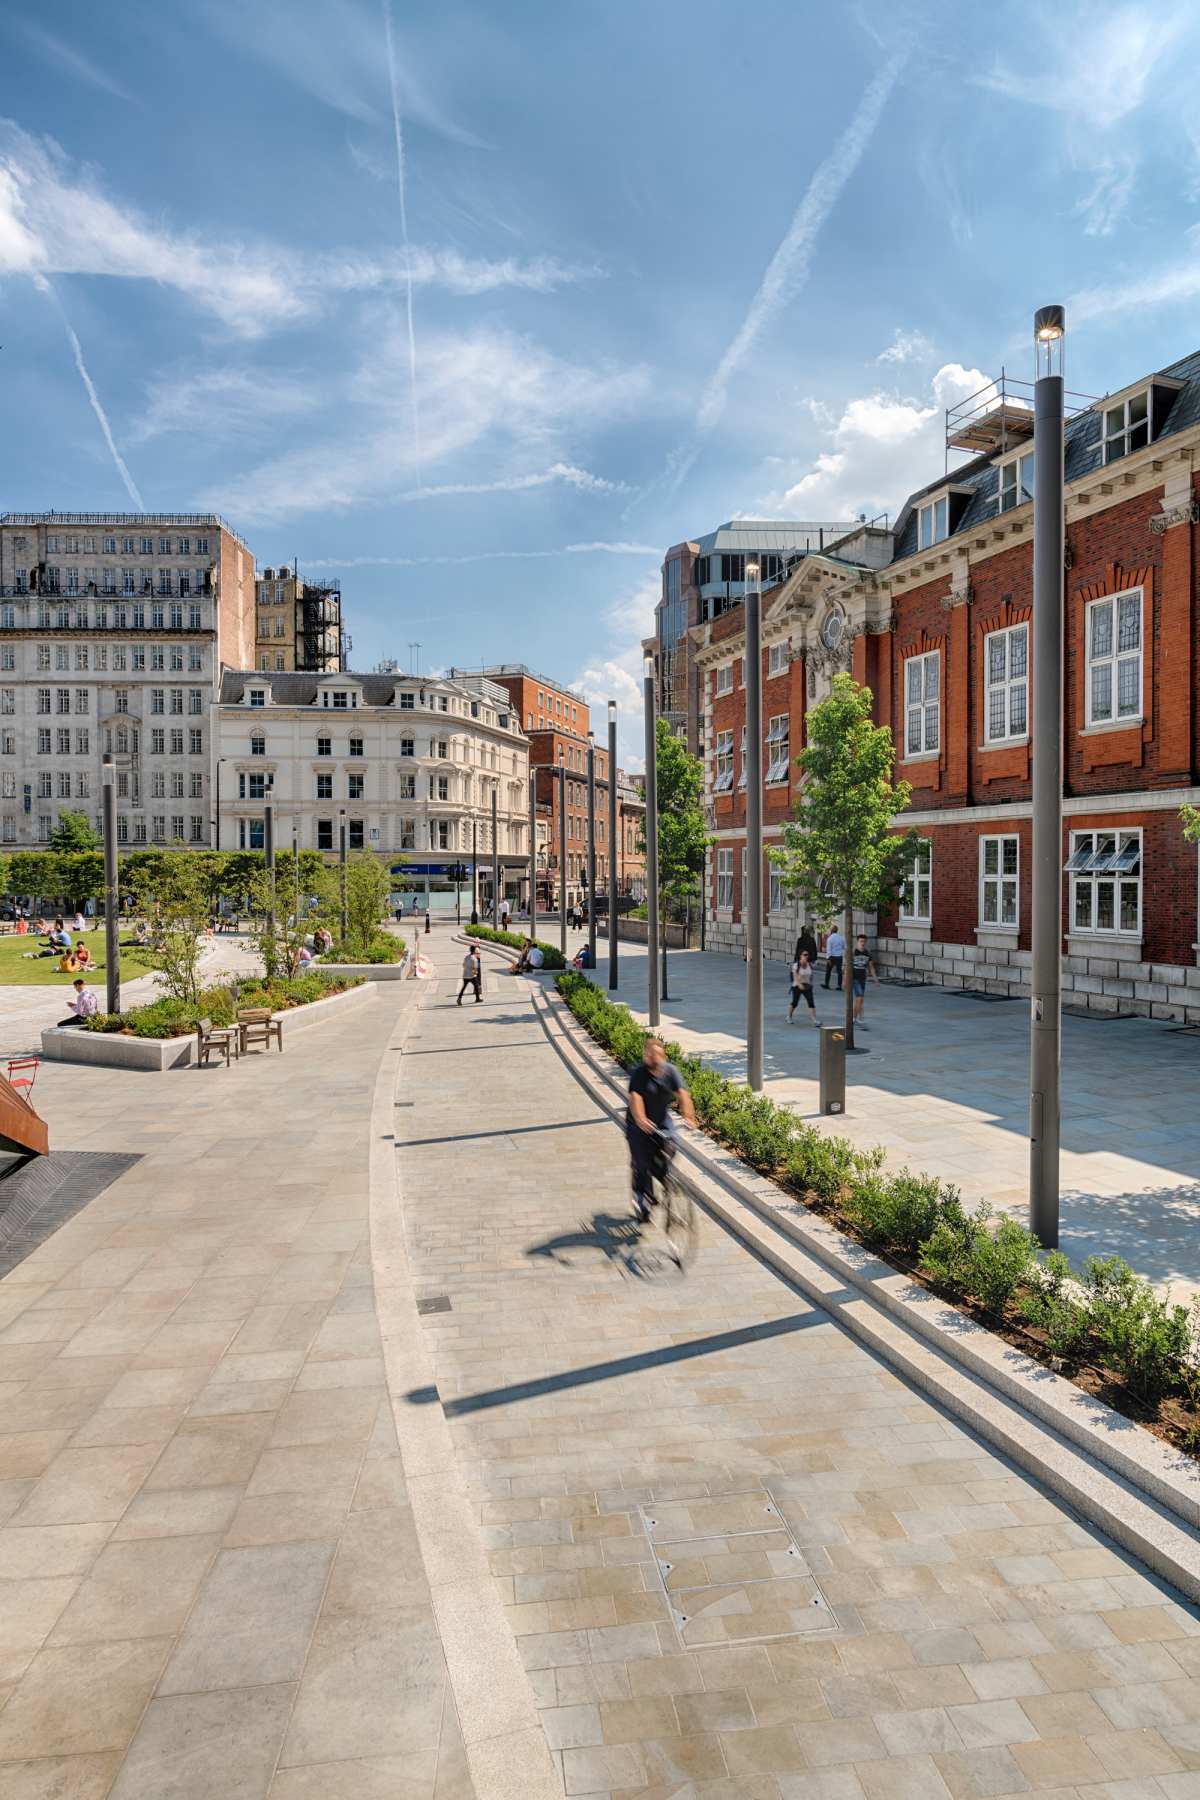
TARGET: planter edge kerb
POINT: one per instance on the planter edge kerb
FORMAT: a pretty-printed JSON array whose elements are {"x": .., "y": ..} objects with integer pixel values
[{"x": 116, "y": 1050}]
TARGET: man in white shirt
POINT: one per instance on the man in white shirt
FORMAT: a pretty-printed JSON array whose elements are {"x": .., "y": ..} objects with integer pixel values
[
  {"x": 835, "y": 953},
  {"x": 83, "y": 1003},
  {"x": 472, "y": 976}
]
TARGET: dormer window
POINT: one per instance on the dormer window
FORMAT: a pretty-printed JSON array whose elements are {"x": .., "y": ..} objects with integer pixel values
[
  {"x": 258, "y": 696},
  {"x": 407, "y": 702},
  {"x": 1127, "y": 426},
  {"x": 1016, "y": 481},
  {"x": 933, "y": 522}
]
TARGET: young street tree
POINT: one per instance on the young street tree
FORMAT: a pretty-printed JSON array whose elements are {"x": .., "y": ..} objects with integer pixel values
[
  {"x": 73, "y": 832},
  {"x": 842, "y": 851}
]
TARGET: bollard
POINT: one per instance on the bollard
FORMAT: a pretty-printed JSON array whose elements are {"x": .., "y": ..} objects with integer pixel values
[
  {"x": 833, "y": 1069},
  {"x": 427, "y": 921}
]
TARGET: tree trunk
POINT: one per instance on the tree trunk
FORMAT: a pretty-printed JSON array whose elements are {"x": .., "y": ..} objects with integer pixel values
[{"x": 848, "y": 973}]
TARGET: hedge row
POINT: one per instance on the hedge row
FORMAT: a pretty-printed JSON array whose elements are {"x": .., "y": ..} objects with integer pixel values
[
  {"x": 552, "y": 958},
  {"x": 1110, "y": 1319}
]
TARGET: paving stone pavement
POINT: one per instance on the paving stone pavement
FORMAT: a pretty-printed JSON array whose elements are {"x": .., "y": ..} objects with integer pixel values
[
  {"x": 912, "y": 1617},
  {"x": 210, "y": 1586}
]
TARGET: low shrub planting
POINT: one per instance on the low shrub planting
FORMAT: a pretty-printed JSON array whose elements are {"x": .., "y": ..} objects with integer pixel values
[
  {"x": 1108, "y": 1329},
  {"x": 382, "y": 948},
  {"x": 551, "y": 957},
  {"x": 170, "y": 1017}
]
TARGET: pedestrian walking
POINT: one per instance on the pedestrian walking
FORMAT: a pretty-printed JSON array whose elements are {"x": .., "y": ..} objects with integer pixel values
[
  {"x": 862, "y": 968},
  {"x": 505, "y": 914},
  {"x": 835, "y": 952},
  {"x": 808, "y": 943},
  {"x": 802, "y": 988},
  {"x": 472, "y": 971}
]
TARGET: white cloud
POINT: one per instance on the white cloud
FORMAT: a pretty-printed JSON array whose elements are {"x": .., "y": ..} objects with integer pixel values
[
  {"x": 1095, "y": 69},
  {"x": 565, "y": 473},
  {"x": 222, "y": 403},
  {"x": 1171, "y": 283},
  {"x": 906, "y": 346},
  {"x": 788, "y": 269},
  {"x": 882, "y": 447},
  {"x": 488, "y": 388},
  {"x": 58, "y": 220},
  {"x": 617, "y": 675}
]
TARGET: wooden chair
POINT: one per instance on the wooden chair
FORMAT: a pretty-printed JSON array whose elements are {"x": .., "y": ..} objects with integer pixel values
[
  {"x": 216, "y": 1040},
  {"x": 257, "y": 1025}
]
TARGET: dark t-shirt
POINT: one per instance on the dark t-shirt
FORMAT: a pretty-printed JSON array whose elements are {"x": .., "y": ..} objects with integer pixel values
[
  {"x": 862, "y": 962},
  {"x": 657, "y": 1090}
]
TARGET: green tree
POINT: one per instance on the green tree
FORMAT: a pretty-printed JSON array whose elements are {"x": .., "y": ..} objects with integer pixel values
[
  {"x": 682, "y": 838},
  {"x": 367, "y": 888},
  {"x": 1189, "y": 818},
  {"x": 283, "y": 925},
  {"x": 36, "y": 874},
  {"x": 842, "y": 850},
  {"x": 73, "y": 832},
  {"x": 173, "y": 889}
]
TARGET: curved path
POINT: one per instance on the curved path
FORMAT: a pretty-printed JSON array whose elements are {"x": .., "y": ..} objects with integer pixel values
[{"x": 350, "y": 1429}]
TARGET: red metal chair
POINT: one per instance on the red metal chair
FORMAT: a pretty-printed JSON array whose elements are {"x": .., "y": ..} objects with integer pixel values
[{"x": 22, "y": 1073}]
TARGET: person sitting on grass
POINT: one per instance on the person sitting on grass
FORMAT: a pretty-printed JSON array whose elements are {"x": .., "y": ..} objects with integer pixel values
[
  {"x": 83, "y": 1005},
  {"x": 57, "y": 940}
]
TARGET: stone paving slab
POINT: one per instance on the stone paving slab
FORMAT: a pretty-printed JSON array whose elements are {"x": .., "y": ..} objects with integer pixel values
[
  {"x": 945, "y": 1088},
  {"x": 987, "y": 1642},
  {"x": 210, "y": 1583}
]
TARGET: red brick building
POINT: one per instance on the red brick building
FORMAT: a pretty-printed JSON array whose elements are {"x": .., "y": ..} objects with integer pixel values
[
  {"x": 556, "y": 722},
  {"x": 934, "y": 616}
]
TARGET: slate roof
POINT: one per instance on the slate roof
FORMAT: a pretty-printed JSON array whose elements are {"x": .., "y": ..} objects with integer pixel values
[
  {"x": 1082, "y": 434},
  {"x": 294, "y": 689}
]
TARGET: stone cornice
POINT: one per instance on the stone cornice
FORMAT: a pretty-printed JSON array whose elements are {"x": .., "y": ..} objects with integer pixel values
[{"x": 1186, "y": 514}]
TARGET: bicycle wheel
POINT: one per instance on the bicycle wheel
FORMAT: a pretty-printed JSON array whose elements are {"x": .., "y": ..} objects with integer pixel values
[{"x": 678, "y": 1216}]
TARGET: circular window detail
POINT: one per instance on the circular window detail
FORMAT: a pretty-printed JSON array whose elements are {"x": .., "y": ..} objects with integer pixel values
[{"x": 834, "y": 628}]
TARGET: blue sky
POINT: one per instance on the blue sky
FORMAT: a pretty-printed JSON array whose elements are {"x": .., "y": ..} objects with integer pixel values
[{"x": 649, "y": 266}]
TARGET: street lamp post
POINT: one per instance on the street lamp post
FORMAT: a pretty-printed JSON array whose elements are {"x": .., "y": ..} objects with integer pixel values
[
  {"x": 532, "y": 854},
  {"x": 342, "y": 871},
  {"x": 591, "y": 847},
  {"x": 1045, "y": 1027},
  {"x": 562, "y": 852},
  {"x": 754, "y": 833},
  {"x": 495, "y": 863},
  {"x": 269, "y": 865},
  {"x": 651, "y": 843},
  {"x": 474, "y": 869},
  {"x": 112, "y": 935},
  {"x": 612, "y": 843}
]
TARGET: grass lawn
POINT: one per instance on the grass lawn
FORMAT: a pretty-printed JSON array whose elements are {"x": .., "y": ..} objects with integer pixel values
[{"x": 44, "y": 972}]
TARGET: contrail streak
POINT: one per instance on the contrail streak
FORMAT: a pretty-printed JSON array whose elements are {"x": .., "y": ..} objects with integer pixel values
[
  {"x": 408, "y": 280},
  {"x": 789, "y": 268},
  {"x": 131, "y": 487}
]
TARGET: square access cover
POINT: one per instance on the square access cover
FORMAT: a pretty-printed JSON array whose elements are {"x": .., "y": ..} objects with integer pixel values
[{"x": 732, "y": 1572}]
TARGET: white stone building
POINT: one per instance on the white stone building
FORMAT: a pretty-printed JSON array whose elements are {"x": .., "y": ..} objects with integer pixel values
[
  {"x": 409, "y": 761},
  {"x": 113, "y": 628}
]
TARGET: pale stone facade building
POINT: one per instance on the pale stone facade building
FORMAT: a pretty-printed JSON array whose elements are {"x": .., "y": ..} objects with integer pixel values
[
  {"x": 409, "y": 762},
  {"x": 113, "y": 628}
]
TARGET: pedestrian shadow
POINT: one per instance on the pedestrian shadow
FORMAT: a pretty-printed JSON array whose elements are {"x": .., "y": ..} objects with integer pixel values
[{"x": 619, "y": 1239}]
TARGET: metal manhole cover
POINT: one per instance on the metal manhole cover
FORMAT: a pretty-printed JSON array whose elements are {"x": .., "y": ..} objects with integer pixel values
[
  {"x": 434, "y": 1303},
  {"x": 731, "y": 1571}
]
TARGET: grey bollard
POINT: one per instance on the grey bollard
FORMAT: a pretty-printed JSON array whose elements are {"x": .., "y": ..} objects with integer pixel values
[{"x": 833, "y": 1069}]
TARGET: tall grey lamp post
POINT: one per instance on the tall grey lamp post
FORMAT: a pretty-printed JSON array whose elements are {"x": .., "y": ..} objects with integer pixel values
[
  {"x": 474, "y": 868},
  {"x": 269, "y": 866},
  {"x": 651, "y": 843},
  {"x": 1045, "y": 1026},
  {"x": 495, "y": 862},
  {"x": 591, "y": 847},
  {"x": 342, "y": 871},
  {"x": 112, "y": 932},
  {"x": 754, "y": 832},
  {"x": 532, "y": 854},
  {"x": 562, "y": 852},
  {"x": 612, "y": 843}
]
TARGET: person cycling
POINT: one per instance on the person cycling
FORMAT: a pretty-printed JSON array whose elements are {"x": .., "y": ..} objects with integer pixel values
[{"x": 655, "y": 1088}]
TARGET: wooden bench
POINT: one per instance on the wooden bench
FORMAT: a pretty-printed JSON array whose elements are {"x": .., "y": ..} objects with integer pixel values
[
  {"x": 257, "y": 1025},
  {"x": 216, "y": 1040}
]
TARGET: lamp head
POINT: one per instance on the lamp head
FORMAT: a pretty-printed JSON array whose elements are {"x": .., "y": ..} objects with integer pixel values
[
  {"x": 612, "y": 712},
  {"x": 1049, "y": 333},
  {"x": 751, "y": 571},
  {"x": 648, "y": 668}
]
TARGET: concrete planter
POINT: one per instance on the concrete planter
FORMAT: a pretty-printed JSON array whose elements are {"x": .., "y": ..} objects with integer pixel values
[
  {"x": 112, "y": 1050},
  {"x": 634, "y": 931},
  {"x": 370, "y": 971}
]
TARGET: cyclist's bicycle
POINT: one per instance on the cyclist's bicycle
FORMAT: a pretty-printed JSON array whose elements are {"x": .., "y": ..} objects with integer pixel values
[{"x": 675, "y": 1209}]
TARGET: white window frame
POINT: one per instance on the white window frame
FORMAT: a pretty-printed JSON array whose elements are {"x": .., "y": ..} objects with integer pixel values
[
  {"x": 1115, "y": 657},
  {"x": 724, "y": 879},
  {"x": 1100, "y": 861},
  {"x": 780, "y": 901},
  {"x": 743, "y": 773},
  {"x": 1006, "y": 683},
  {"x": 916, "y": 896},
  {"x": 924, "y": 705},
  {"x": 1000, "y": 882},
  {"x": 777, "y": 659},
  {"x": 1012, "y": 477},
  {"x": 779, "y": 754},
  {"x": 723, "y": 679},
  {"x": 1117, "y": 442},
  {"x": 933, "y": 522},
  {"x": 723, "y": 775}
]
